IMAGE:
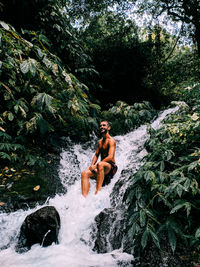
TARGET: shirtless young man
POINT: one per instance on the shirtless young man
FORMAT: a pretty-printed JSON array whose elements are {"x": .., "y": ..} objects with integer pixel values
[{"x": 106, "y": 148}]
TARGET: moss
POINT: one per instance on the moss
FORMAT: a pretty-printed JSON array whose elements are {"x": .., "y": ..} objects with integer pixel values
[
  {"x": 25, "y": 186},
  {"x": 20, "y": 185}
]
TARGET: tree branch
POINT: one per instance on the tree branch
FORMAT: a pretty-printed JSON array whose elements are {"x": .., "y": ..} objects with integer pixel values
[{"x": 171, "y": 52}]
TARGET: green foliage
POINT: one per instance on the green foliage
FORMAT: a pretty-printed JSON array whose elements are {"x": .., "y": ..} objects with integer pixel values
[
  {"x": 38, "y": 97},
  {"x": 118, "y": 56},
  {"x": 187, "y": 12},
  {"x": 171, "y": 65},
  {"x": 173, "y": 75},
  {"x": 125, "y": 118},
  {"x": 164, "y": 194},
  {"x": 53, "y": 19},
  {"x": 110, "y": 54}
]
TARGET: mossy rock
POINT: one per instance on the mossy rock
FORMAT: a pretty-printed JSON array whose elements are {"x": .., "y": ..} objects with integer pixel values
[
  {"x": 22, "y": 188},
  {"x": 26, "y": 187}
]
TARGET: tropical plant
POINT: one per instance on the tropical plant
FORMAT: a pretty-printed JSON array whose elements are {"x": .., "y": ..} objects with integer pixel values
[
  {"x": 38, "y": 96},
  {"x": 124, "y": 118},
  {"x": 183, "y": 11},
  {"x": 163, "y": 196}
]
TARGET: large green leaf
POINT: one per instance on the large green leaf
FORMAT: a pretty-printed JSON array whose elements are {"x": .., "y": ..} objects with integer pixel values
[
  {"x": 10, "y": 116},
  {"x": 142, "y": 218},
  {"x": 28, "y": 65},
  {"x": 32, "y": 66},
  {"x": 144, "y": 238},
  {"x": 47, "y": 62},
  {"x": 162, "y": 166},
  {"x": 155, "y": 238},
  {"x": 197, "y": 233},
  {"x": 43, "y": 102},
  {"x": 4, "y": 155},
  {"x": 43, "y": 126},
  {"x": 24, "y": 66},
  {"x": 5, "y": 25},
  {"x": 150, "y": 175},
  {"x": 172, "y": 238},
  {"x": 178, "y": 206}
]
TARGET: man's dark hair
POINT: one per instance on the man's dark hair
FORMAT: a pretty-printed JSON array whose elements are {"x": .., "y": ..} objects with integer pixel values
[{"x": 106, "y": 121}]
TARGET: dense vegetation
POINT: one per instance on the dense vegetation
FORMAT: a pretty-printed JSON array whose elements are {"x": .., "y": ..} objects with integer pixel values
[
  {"x": 40, "y": 102},
  {"x": 38, "y": 96},
  {"x": 64, "y": 66},
  {"x": 163, "y": 196}
]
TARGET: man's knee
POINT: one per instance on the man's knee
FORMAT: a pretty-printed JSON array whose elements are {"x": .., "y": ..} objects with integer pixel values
[
  {"x": 85, "y": 174},
  {"x": 100, "y": 165}
]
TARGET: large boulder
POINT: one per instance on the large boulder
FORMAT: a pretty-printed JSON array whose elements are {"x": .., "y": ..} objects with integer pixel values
[
  {"x": 41, "y": 227},
  {"x": 108, "y": 231}
]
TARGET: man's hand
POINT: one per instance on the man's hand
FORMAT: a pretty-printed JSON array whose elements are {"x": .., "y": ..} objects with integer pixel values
[{"x": 93, "y": 169}]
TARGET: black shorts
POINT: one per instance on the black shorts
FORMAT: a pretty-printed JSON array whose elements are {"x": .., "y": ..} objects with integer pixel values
[{"x": 110, "y": 175}]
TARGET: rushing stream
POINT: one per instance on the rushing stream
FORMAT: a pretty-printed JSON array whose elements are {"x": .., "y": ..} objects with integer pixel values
[{"x": 76, "y": 237}]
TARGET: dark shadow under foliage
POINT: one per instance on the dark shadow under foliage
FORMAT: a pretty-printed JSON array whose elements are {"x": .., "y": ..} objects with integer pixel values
[
  {"x": 22, "y": 14},
  {"x": 123, "y": 68},
  {"x": 122, "y": 61}
]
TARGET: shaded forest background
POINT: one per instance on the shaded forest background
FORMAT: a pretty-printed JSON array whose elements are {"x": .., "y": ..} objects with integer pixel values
[
  {"x": 64, "y": 65},
  {"x": 111, "y": 54},
  {"x": 104, "y": 51}
]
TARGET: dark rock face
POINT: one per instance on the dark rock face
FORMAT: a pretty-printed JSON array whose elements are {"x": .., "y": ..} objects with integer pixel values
[
  {"x": 109, "y": 231},
  {"x": 40, "y": 227}
]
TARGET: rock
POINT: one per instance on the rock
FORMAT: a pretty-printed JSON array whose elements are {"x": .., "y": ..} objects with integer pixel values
[
  {"x": 108, "y": 231},
  {"x": 40, "y": 227}
]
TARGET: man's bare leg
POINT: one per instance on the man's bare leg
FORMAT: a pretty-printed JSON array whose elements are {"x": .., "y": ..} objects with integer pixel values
[
  {"x": 85, "y": 183},
  {"x": 103, "y": 168}
]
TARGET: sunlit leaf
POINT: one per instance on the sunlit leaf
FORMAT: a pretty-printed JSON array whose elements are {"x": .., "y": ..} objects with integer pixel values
[
  {"x": 24, "y": 66},
  {"x": 5, "y": 25},
  {"x": 47, "y": 62},
  {"x": 36, "y": 188},
  {"x": 197, "y": 233},
  {"x": 8, "y": 175},
  {"x": 40, "y": 53},
  {"x": 149, "y": 175},
  {"x": 195, "y": 117},
  {"x": 32, "y": 66},
  {"x": 1, "y": 129},
  {"x": 10, "y": 116}
]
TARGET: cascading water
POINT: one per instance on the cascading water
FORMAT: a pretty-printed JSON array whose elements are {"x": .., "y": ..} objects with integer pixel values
[{"x": 77, "y": 236}]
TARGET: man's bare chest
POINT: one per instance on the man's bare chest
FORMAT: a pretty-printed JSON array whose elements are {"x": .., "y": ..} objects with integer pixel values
[{"x": 104, "y": 147}]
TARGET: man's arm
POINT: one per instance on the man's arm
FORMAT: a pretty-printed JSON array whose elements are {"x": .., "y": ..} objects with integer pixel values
[
  {"x": 111, "y": 152},
  {"x": 94, "y": 159},
  {"x": 96, "y": 155}
]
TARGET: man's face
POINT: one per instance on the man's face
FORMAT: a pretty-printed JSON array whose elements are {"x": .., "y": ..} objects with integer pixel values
[{"x": 104, "y": 127}]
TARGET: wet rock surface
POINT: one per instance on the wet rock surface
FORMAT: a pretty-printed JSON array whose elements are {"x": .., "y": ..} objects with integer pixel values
[
  {"x": 108, "y": 230},
  {"x": 40, "y": 227},
  {"x": 17, "y": 185}
]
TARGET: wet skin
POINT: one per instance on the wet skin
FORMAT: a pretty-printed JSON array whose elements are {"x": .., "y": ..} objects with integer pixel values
[{"x": 106, "y": 150}]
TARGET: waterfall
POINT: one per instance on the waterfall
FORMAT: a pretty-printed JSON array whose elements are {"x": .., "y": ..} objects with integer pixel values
[{"x": 79, "y": 216}]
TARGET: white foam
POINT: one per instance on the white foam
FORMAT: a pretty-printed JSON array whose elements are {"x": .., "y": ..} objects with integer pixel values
[{"x": 77, "y": 213}]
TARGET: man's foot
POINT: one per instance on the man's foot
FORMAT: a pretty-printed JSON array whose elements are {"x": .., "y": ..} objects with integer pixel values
[{"x": 96, "y": 192}]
